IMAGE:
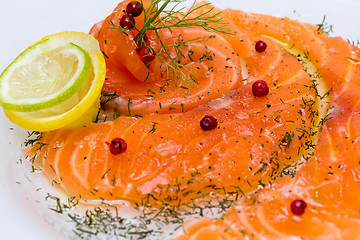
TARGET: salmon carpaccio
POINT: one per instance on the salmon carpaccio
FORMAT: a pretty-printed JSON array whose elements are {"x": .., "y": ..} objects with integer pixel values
[{"x": 298, "y": 142}]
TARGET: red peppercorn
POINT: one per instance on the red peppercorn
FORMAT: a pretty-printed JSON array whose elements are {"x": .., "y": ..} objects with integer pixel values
[
  {"x": 127, "y": 21},
  {"x": 134, "y": 8},
  {"x": 117, "y": 146},
  {"x": 147, "y": 54},
  {"x": 260, "y": 46},
  {"x": 260, "y": 88},
  {"x": 298, "y": 207},
  {"x": 208, "y": 123},
  {"x": 140, "y": 42}
]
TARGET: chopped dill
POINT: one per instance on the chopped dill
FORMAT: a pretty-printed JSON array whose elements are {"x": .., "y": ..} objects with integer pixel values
[
  {"x": 32, "y": 138},
  {"x": 287, "y": 139},
  {"x": 108, "y": 96},
  {"x": 323, "y": 27},
  {"x": 153, "y": 129}
]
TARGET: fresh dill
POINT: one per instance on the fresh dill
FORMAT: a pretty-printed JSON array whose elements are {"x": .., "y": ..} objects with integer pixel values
[
  {"x": 153, "y": 129},
  {"x": 287, "y": 139},
  {"x": 105, "y": 220},
  {"x": 323, "y": 27},
  {"x": 353, "y": 60},
  {"x": 32, "y": 138},
  {"x": 354, "y": 43},
  {"x": 159, "y": 16},
  {"x": 107, "y": 97}
]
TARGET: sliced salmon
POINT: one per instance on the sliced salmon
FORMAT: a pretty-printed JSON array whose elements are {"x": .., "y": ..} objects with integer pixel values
[
  {"x": 328, "y": 181},
  {"x": 268, "y": 150},
  {"x": 331, "y": 55},
  {"x": 255, "y": 139}
]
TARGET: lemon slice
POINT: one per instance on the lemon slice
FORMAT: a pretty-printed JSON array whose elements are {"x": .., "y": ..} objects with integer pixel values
[
  {"x": 45, "y": 74},
  {"x": 82, "y": 106}
]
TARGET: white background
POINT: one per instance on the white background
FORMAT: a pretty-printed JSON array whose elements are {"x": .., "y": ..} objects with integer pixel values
[{"x": 24, "y": 215}]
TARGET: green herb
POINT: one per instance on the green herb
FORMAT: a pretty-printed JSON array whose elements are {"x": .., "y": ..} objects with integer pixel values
[
  {"x": 357, "y": 43},
  {"x": 287, "y": 139},
  {"x": 323, "y": 27},
  {"x": 33, "y": 138},
  {"x": 109, "y": 97},
  {"x": 155, "y": 216},
  {"x": 264, "y": 165},
  {"x": 354, "y": 60},
  {"x": 153, "y": 129},
  {"x": 129, "y": 103},
  {"x": 105, "y": 173},
  {"x": 157, "y": 18},
  {"x": 104, "y": 54}
]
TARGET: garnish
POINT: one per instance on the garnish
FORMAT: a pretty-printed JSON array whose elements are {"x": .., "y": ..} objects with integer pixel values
[
  {"x": 134, "y": 8},
  {"x": 157, "y": 19},
  {"x": 287, "y": 139},
  {"x": 155, "y": 218},
  {"x": 32, "y": 138},
  {"x": 153, "y": 129},
  {"x": 147, "y": 54},
  {"x": 323, "y": 27},
  {"x": 117, "y": 146},
  {"x": 298, "y": 207},
  {"x": 260, "y": 46},
  {"x": 23, "y": 86},
  {"x": 353, "y": 60},
  {"x": 208, "y": 123},
  {"x": 54, "y": 83},
  {"x": 260, "y": 88},
  {"x": 127, "y": 21},
  {"x": 109, "y": 97}
]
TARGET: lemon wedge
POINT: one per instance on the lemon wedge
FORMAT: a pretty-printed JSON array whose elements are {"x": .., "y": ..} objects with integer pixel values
[{"x": 55, "y": 83}]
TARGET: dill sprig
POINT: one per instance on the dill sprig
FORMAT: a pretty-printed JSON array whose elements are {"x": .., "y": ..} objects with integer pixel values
[
  {"x": 178, "y": 17},
  {"x": 32, "y": 138},
  {"x": 157, "y": 19},
  {"x": 323, "y": 27},
  {"x": 354, "y": 43}
]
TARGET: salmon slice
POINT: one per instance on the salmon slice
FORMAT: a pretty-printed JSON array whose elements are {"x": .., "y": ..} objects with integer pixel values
[{"x": 328, "y": 181}]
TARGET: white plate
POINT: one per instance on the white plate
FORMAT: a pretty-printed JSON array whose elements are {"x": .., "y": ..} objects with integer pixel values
[{"x": 24, "y": 213}]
